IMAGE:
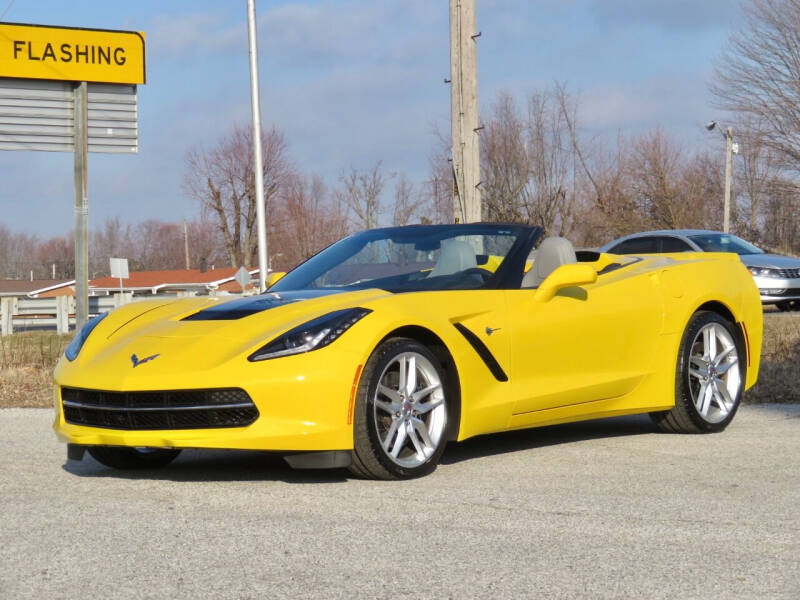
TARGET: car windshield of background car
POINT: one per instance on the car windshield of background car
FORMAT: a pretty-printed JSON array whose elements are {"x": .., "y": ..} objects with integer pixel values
[{"x": 723, "y": 242}]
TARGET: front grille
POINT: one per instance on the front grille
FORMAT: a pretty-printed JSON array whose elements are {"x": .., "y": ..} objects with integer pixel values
[
  {"x": 176, "y": 409},
  {"x": 789, "y": 273}
]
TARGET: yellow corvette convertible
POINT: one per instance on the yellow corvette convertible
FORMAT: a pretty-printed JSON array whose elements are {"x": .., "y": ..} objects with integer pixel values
[{"x": 377, "y": 351}]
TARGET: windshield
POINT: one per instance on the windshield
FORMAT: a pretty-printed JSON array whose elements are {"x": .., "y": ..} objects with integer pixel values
[
  {"x": 421, "y": 257},
  {"x": 724, "y": 242}
]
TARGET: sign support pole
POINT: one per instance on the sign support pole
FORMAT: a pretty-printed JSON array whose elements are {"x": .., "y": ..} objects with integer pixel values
[{"x": 81, "y": 206}]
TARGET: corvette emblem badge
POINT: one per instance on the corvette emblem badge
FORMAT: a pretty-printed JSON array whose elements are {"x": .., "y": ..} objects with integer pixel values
[
  {"x": 490, "y": 331},
  {"x": 137, "y": 361}
]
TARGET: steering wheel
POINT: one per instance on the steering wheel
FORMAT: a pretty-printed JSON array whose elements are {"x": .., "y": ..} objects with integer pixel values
[{"x": 482, "y": 273}]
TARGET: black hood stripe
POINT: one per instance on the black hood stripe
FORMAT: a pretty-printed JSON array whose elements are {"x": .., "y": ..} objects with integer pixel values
[{"x": 244, "y": 307}]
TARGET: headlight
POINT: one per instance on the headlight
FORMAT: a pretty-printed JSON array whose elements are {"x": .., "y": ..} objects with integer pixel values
[
  {"x": 313, "y": 335},
  {"x": 764, "y": 272},
  {"x": 80, "y": 338}
]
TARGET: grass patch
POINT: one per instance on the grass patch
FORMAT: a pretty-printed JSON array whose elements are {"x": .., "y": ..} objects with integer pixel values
[
  {"x": 27, "y": 361},
  {"x": 26, "y": 367},
  {"x": 780, "y": 361}
]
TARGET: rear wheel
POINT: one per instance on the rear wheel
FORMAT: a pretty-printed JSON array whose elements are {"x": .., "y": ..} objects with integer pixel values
[
  {"x": 132, "y": 458},
  {"x": 709, "y": 377},
  {"x": 400, "y": 418}
]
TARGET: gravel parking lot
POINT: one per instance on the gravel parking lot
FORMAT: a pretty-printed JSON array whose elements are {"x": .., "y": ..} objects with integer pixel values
[{"x": 601, "y": 509}]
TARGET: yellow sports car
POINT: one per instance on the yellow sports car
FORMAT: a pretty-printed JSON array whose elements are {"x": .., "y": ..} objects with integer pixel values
[{"x": 377, "y": 351}]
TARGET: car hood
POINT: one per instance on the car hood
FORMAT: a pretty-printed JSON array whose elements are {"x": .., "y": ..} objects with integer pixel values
[
  {"x": 204, "y": 332},
  {"x": 776, "y": 261}
]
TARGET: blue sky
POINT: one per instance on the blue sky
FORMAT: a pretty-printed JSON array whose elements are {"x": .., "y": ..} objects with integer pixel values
[{"x": 351, "y": 82}]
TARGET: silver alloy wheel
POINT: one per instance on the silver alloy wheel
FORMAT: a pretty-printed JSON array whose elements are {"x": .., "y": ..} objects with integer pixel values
[
  {"x": 713, "y": 380},
  {"x": 409, "y": 409}
]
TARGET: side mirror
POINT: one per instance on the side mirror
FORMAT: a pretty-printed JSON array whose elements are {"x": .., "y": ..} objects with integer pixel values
[
  {"x": 273, "y": 278},
  {"x": 565, "y": 276}
]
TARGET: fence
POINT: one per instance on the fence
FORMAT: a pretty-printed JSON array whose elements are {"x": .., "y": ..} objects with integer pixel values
[{"x": 26, "y": 314}]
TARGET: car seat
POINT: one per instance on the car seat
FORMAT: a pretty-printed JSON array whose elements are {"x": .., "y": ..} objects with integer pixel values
[{"x": 551, "y": 254}]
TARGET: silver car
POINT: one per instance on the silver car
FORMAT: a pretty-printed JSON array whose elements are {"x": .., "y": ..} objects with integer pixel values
[{"x": 777, "y": 277}]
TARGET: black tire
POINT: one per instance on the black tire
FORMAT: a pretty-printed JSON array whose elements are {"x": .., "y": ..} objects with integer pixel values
[
  {"x": 685, "y": 417},
  {"x": 369, "y": 459},
  {"x": 784, "y": 305},
  {"x": 118, "y": 457}
]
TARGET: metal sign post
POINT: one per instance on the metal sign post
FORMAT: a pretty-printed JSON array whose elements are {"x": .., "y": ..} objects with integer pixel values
[
  {"x": 81, "y": 205},
  {"x": 43, "y": 108},
  {"x": 119, "y": 269}
]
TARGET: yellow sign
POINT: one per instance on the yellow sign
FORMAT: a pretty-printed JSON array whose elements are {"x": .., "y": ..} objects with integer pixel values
[{"x": 71, "y": 54}]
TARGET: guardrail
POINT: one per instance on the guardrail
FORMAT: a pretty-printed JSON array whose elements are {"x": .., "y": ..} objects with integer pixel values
[{"x": 27, "y": 314}]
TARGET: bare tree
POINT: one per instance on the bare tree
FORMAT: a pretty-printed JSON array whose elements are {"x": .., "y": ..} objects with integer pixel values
[
  {"x": 16, "y": 254},
  {"x": 307, "y": 221},
  {"x": 158, "y": 245},
  {"x": 205, "y": 244},
  {"x": 528, "y": 161},
  {"x": 758, "y": 76},
  {"x": 407, "y": 202},
  {"x": 360, "y": 193},
  {"x": 55, "y": 257},
  {"x": 438, "y": 190},
  {"x": 112, "y": 238},
  {"x": 504, "y": 164},
  {"x": 222, "y": 180},
  {"x": 781, "y": 227},
  {"x": 657, "y": 181}
]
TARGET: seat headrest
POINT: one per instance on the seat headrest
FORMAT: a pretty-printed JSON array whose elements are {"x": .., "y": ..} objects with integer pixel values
[
  {"x": 552, "y": 253},
  {"x": 455, "y": 256}
]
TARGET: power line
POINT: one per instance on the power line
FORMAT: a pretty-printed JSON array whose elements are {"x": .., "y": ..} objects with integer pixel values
[{"x": 10, "y": 4}]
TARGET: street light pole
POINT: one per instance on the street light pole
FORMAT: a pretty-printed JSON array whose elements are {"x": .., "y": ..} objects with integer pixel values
[
  {"x": 726, "y": 219},
  {"x": 258, "y": 162}
]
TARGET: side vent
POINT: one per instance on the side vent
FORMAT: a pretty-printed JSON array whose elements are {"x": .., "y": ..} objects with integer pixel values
[{"x": 486, "y": 356}]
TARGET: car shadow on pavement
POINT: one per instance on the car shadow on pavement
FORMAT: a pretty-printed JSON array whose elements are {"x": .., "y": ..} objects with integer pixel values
[
  {"x": 213, "y": 465},
  {"x": 540, "y": 437},
  {"x": 241, "y": 465}
]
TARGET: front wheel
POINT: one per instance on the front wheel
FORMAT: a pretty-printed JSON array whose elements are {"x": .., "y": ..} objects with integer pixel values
[
  {"x": 400, "y": 420},
  {"x": 709, "y": 378},
  {"x": 118, "y": 457}
]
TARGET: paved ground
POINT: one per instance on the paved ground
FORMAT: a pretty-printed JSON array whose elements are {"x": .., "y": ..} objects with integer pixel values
[{"x": 603, "y": 509}]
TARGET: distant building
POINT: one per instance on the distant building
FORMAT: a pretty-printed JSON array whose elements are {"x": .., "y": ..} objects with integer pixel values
[{"x": 37, "y": 288}]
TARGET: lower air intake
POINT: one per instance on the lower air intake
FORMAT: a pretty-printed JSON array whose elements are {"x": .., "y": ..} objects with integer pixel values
[{"x": 178, "y": 409}]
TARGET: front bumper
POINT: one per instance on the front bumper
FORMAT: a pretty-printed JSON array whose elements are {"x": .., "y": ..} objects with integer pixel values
[
  {"x": 774, "y": 289},
  {"x": 302, "y": 406}
]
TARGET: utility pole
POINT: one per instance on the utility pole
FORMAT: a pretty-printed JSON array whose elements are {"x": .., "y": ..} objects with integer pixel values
[
  {"x": 186, "y": 244},
  {"x": 80, "y": 108},
  {"x": 464, "y": 111},
  {"x": 258, "y": 163},
  {"x": 730, "y": 150},
  {"x": 726, "y": 219}
]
